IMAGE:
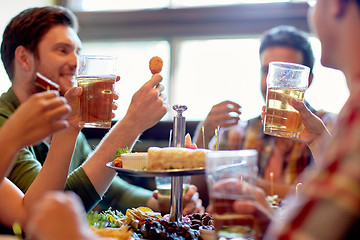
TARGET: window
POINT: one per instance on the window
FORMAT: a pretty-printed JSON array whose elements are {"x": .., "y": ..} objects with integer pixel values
[
  {"x": 210, "y": 53},
  {"x": 209, "y": 71},
  {"x": 110, "y": 5},
  {"x": 133, "y": 65}
]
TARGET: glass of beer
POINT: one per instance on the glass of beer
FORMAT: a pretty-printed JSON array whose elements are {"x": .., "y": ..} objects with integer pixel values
[
  {"x": 284, "y": 81},
  {"x": 163, "y": 185},
  {"x": 231, "y": 176},
  {"x": 96, "y": 75}
]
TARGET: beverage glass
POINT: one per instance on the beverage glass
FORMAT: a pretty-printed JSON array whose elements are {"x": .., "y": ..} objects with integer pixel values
[
  {"x": 284, "y": 80},
  {"x": 163, "y": 185},
  {"x": 231, "y": 176},
  {"x": 96, "y": 75}
]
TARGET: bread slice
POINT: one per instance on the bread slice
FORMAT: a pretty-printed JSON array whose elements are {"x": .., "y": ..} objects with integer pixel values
[{"x": 175, "y": 158}]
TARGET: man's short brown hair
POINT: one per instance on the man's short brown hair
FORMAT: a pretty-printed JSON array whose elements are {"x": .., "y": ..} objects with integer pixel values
[{"x": 28, "y": 27}]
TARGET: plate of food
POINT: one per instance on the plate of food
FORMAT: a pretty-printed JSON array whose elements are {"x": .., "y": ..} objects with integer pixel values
[
  {"x": 157, "y": 173},
  {"x": 167, "y": 161},
  {"x": 144, "y": 223}
]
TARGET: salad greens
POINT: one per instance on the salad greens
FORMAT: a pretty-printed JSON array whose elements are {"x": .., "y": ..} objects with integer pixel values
[
  {"x": 121, "y": 151},
  {"x": 108, "y": 218}
]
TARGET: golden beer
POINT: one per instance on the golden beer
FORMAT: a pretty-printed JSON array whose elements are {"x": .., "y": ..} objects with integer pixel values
[
  {"x": 96, "y": 75},
  {"x": 96, "y": 101},
  {"x": 229, "y": 224},
  {"x": 281, "y": 119},
  {"x": 164, "y": 197}
]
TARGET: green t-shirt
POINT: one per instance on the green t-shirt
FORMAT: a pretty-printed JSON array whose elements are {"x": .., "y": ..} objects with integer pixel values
[{"x": 120, "y": 195}]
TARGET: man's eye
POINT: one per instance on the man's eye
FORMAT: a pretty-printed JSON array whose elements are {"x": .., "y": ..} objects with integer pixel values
[{"x": 62, "y": 50}]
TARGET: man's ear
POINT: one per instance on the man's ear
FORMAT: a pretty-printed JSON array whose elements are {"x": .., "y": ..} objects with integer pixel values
[
  {"x": 23, "y": 58},
  {"x": 340, "y": 8}
]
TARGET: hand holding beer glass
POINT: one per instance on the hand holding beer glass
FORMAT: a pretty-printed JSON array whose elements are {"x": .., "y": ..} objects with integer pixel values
[
  {"x": 96, "y": 75},
  {"x": 231, "y": 176},
  {"x": 284, "y": 81}
]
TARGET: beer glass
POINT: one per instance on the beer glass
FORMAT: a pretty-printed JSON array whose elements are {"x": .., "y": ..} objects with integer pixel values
[
  {"x": 96, "y": 75},
  {"x": 284, "y": 81},
  {"x": 163, "y": 185},
  {"x": 231, "y": 176}
]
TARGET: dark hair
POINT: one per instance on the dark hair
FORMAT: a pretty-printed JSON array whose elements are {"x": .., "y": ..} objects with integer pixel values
[
  {"x": 289, "y": 36},
  {"x": 28, "y": 27}
]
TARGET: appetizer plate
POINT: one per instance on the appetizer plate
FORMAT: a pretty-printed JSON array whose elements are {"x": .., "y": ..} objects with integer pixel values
[{"x": 155, "y": 173}]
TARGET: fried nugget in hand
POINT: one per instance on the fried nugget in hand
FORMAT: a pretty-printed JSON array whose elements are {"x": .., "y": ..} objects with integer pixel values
[{"x": 155, "y": 64}]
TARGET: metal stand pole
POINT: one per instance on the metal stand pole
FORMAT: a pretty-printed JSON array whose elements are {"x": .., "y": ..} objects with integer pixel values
[{"x": 177, "y": 181}]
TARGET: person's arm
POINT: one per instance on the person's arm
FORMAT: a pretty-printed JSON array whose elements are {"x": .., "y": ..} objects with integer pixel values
[
  {"x": 41, "y": 115},
  {"x": 56, "y": 167},
  {"x": 54, "y": 172},
  {"x": 145, "y": 110},
  {"x": 224, "y": 114},
  {"x": 8, "y": 153},
  {"x": 122, "y": 195},
  {"x": 29, "y": 160}
]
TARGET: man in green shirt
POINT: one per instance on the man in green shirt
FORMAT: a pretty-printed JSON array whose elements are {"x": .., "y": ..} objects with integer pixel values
[{"x": 45, "y": 40}]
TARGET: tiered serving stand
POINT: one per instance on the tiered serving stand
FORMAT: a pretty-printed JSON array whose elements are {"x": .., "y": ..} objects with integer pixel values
[{"x": 175, "y": 174}]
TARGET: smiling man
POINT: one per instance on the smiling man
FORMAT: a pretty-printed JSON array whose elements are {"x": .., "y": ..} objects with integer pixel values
[
  {"x": 57, "y": 46},
  {"x": 45, "y": 40}
]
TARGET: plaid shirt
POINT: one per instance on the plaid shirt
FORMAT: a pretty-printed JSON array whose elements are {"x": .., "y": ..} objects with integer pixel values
[
  {"x": 285, "y": 158},
  {"x": 329, "y": 205}
]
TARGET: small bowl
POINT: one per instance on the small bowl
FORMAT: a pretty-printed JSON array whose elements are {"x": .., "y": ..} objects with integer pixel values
[{"x": 136, "y": 161}]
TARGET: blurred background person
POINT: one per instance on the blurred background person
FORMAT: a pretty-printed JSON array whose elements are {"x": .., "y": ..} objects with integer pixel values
[
  {"x": 328, "y": 205},
  {"x": 280, "y": 160}
]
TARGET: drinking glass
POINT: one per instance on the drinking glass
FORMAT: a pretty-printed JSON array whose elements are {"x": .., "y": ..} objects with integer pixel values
[
  {"x": 96, "y": 75},
  {"x": 163, "y": 185},
  {"x": 231, "y": 176},
  {"x": 284, "y": 81}
]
